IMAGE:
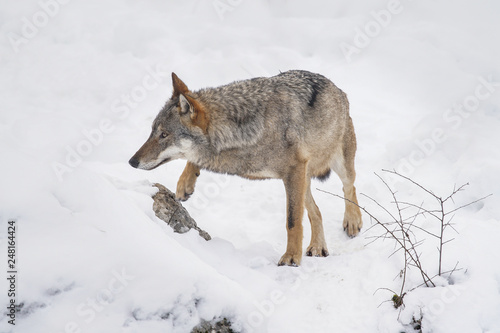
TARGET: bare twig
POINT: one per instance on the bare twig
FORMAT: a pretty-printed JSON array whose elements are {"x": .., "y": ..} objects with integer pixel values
[
  {"x": 470, "y": 203},
  {"x": 401, "y": 226}
]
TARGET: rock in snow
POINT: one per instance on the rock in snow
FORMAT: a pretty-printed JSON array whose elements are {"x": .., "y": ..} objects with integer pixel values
[
  {"x": 170, "y": 210},
  {"x": 221, "y": 326}
]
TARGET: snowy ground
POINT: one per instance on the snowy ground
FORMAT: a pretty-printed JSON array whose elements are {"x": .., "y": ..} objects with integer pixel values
[{"x": 81, "y": 81}]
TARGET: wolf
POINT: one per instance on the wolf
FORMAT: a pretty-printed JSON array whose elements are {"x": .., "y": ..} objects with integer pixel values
[{"x": 294, "y": 126}]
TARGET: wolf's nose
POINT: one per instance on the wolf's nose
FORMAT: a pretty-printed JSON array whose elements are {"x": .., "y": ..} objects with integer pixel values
[{"x": 134, "y": 162}]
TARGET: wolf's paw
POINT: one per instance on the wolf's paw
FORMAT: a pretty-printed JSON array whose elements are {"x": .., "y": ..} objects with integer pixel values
[
  {"x": 290, "y": 260},
  {"x": 317, "y": 250},
  {"x": 184, "y": 190},
  {"x": 182, "y": 195},
  {"x": 187, "y": 181},
  {"x": 353, "y": 224}
]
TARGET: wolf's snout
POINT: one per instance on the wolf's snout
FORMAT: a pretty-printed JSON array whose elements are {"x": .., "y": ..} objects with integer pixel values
[{"x": 134, "y": 162}]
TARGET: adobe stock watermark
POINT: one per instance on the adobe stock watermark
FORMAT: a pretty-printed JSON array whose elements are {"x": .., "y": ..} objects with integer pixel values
[
  {"x": 265, "y": 308},
  {"x": 363, "y": 37},
  {"x": 453, "y": 118},
  {"x": 201, "y": 199},
  {"x": 121, "y": 107},
  {"x": 222, "y": 7},
  {"x": 31, "y": 26},
  {"x": 88, "y": 309},
  {"x": 437, "y": 306}
]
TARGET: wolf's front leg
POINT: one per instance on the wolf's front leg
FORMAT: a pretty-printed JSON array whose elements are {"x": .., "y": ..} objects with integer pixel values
[
  {"x": 186, "y": 182},
  {"x": 295, "y": 186}
]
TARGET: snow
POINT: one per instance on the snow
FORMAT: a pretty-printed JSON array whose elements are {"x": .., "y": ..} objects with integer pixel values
[{"x": 80, "y": 83}]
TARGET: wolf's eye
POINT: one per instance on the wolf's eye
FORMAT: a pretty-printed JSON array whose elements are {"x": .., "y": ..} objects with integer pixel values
[{"x": 163, "y": 135}]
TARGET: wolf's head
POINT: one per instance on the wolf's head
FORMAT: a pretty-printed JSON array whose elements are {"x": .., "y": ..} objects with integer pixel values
[{"x": 180, "y": 125}]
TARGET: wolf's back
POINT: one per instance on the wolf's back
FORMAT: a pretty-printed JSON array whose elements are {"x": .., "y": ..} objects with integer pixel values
[
  {"x": 294, "y": 102},
  {"x": 303, "y": 84}
]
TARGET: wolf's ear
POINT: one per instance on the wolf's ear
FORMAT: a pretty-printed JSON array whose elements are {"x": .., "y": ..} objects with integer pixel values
[
  {"x": 185, "y": 106},
  {"x": 179, "y": 86},
  {"x": 192, "y": 112}
]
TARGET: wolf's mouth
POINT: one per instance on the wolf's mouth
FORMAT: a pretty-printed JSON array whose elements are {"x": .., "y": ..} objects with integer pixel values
[{"x": 168, "y": 159}]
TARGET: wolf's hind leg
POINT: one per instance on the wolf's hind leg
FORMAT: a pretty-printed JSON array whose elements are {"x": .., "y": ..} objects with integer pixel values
[
  {"x": 344, "y": 167},
  {"x": 187, "y": 181},
  {"x": 317, "y": 248},
  {"x": 352, "y": 216}
]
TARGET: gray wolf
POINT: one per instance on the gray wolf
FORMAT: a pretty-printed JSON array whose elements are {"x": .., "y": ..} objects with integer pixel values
[{"x": 293, "y": 126}]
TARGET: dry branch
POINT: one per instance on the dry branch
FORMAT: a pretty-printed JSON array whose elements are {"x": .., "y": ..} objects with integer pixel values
[{"x": 400, "y": 227}]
